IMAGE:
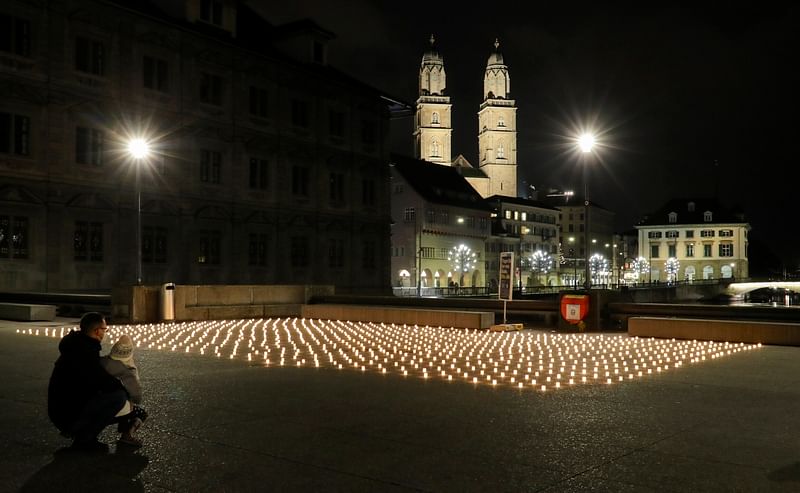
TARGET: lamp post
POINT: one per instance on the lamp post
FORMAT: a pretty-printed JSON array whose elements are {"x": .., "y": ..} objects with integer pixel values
[
  {"x": 139, "y": 150},
  {"x": 586, "y": 142}
]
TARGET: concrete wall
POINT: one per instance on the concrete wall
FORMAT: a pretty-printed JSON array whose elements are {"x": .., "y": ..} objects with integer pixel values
[
  {"x": 780, "y": 333},
  {"x": 411, "y": 316}
]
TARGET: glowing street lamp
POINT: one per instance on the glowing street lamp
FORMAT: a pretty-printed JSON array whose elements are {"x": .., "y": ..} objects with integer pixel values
[
  {"x": 139, "y": 150},
  {"x": 586, "y": 142}
]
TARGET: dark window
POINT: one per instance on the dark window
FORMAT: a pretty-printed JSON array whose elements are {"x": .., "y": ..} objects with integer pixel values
[
  {"x": 210, "y": 89},
  {"x": 300, "y": 180},
  {"x": 210, "y": 166},
  {"x": 298, "y": 254},
  {"x": 258, "y": 102},
  {"x": 154, "y": 245},
  {"x": 368, "y": 254},
  {"x": 336, "y": 123},
  {"x": 259, "y": 173},
  {"x": 209, "y": 247},
  {"x": 88, "y": 241},
  {"x": 706, "y": 250},
  {"x": 368, "y": 133},
  {"x": 336, "y": 187},
  {"x": 726, "y": 250},
  {"x": 14, "y": 237},
  {"x": 299, "y": 113},
  {"x": 335, "y": 252},
  {"x": 368, "y": 192},
  {"x": 671, "y": 249},
  {"x": 211, "y": 11},
  {"x": 653, "y": 251},
  {"x": 89, "y": 146},
  {"x": 15, "y": 134},
  {"x": 89, "y": 56},
  {"x": 155, "y": 74},
  {"x": 15, "y": 35},
  {"x": 258, "y": 249}
]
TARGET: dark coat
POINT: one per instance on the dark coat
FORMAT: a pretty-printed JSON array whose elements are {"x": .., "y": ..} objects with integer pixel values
[{"x": 76, "y": 379}]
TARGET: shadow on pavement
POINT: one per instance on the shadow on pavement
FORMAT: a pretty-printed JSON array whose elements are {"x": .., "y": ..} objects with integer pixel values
[{"x": 80, "y": 471}]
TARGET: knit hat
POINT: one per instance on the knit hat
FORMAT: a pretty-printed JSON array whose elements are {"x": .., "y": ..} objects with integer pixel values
[{"x": 122, "y": 350}]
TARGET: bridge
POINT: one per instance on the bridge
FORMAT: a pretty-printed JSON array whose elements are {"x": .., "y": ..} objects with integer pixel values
[{"x": 741, "y": 288}]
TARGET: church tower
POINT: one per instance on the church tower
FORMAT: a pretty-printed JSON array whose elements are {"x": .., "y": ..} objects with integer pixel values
[
  {"x": 497, "y": 128},
  {"x": 433, "y": 124}
]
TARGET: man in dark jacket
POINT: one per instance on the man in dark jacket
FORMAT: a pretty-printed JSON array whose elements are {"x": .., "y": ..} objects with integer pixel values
[{"x": 82, "y": 397}]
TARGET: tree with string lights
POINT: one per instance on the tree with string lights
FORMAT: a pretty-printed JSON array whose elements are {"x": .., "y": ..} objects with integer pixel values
[
  {"x": 672, "y": 266},
  {"x": 462, "y": 260},
  {"x": 539, "y": 262},
  {"x": 640, "y": 267}
]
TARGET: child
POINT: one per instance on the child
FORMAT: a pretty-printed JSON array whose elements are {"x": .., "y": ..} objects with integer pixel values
[{"x": 119, "y": 363}]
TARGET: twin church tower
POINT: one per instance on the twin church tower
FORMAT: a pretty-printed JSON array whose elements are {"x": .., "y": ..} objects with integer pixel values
[{"x": 497, "y": 125}]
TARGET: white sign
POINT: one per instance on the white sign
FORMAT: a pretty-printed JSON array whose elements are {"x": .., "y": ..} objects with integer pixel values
[
  {"x": 506, "y": 288},
  {"x": 573, "y": 312}
]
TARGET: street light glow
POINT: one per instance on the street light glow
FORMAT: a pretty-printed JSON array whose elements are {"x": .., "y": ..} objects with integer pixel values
[
  {"x": 586, "y": 142},
  {"x": 139, "y": 148}
]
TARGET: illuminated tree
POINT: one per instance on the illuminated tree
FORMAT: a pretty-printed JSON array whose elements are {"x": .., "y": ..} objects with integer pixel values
[
  {"x": 539, "y": 262},
  {"x": 640, "y": 267},
  {"x": 598, "y": 265},
  {"x": 462, "y": 259},
  {"x": 672, "y": 266}
]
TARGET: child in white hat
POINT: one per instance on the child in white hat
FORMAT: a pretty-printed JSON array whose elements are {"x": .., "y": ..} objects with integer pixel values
[{"x": 119, "y": 363}]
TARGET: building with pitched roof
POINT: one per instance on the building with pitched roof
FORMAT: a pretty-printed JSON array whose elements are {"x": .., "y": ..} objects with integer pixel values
[{"x": 698, "y": 238}]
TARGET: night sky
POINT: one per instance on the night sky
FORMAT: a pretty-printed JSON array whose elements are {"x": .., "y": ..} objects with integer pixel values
[{"x": 688, "y": 102}]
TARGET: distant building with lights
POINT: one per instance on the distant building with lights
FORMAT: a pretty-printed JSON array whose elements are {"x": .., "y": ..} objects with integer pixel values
[
  {"x": 435, "y": 213},
  {"x": 269, "y": 166},
  {"x": 699, "y": 237}
]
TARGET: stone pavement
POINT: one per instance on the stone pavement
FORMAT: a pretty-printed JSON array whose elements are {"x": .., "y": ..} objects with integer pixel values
[{"x": 730, "y": 424}]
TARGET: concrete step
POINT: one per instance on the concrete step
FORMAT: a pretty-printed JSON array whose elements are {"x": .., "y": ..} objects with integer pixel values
[{"x": 27, "y": 312}]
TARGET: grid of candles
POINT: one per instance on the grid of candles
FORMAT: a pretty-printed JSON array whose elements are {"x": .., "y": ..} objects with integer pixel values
[{"x": 524, "y": 360}]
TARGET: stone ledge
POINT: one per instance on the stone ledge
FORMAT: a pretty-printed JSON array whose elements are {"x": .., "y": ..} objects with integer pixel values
[
  {"x": 410, "y": 316},
  {"x": 27, "y": 312},
  {"x": 778, "y": 333}
]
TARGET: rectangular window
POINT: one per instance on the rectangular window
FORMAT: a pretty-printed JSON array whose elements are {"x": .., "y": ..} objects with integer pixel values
[
  {"x": 368, "y": 134},
  {"x": 672, "y": 234},
  {"x": 482, "y": 223},
  {"x": 89, "y": 144},
  {"x": 336, "y": 123},
  {"x": 507, "y": 214},
  {"x": 88, "y": 241},
  {"x": 336, "y": 253},
  {"x": 690, "y": 233},
  {"x": 471, "y": 222},
  {"x": 706, "y": 250},
  {"x": 300, "y": 181},
  {"x": 654, "y": 234},
  {"x": 15, "y": 134},
  {"x": 299, "y": 113},
  {"x": 707, "y": 233},
  {"x": 259, "y": 102},
  {"x": 431, "y": 216},
  {"x": 211, "y": 11},
  {"x": 726, "y": 250},
  {"x": 210, "y": 89},
  {"x": 89, "y": 56},
  {"x": 726, "y": 233},
  {"x": 690, "y": 250},
  {"x": 298, "y": 255},
  {"x": 444, "y": 217},
  {"x": 257, "y": 252},
  {"x": 570, "y": 228},
  {"x": 259, "y": 173},
  {"x": 155, "y": 74},
  {"x": 210, "y": 166},
  {"x": 671, "y": 249},
  {"x": 368, "y": 192},
  {"x": 524, "y": 216},
  {"x": 154, "y": 245},
  {"x": 654, "y": 251},
  {"x": 209, "y": 246},
  {"x": 14, "y": 237},
  {"x": 427, "y": 252},
  {"x": 336, "y": 188},
  {"x": 409, "y": 215},
  {"x": 15, "y": 35}
]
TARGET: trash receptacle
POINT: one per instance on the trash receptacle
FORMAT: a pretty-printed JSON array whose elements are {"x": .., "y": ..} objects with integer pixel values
[{"x": 167, "y": 311}]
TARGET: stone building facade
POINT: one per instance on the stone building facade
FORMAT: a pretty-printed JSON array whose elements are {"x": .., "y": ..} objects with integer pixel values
[{"x": 267, "y": 165}]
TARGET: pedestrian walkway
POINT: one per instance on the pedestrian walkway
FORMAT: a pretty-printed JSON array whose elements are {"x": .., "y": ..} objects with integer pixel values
[{"x": 226, "y": 424}]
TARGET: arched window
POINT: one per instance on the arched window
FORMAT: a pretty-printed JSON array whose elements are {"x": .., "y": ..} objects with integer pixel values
[
  {"x": 726, "y": 271},
  {"x": 501, "y": 151},
  {"x": 501, "y": 122},
  {"x": 708, "y": 272},
  {"x": 435, "y": 118},
  {"x": 435, "y": 148}
]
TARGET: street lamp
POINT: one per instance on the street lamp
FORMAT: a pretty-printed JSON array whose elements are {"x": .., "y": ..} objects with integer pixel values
[
  {"x": 139, "y": 150},
  {"x": 586, "y": 142}
]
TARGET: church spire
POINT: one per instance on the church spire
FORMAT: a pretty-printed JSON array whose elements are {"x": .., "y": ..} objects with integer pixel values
[{"x": 432, "y": 127}]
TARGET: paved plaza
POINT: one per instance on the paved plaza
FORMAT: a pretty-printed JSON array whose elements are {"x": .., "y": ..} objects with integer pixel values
[{"x": 307, "y": 405}]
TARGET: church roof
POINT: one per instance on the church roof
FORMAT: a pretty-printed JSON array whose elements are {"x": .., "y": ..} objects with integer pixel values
[
  {"x": 431, "y": 54},
  {"x": 692, "y": 211},
  {"x": 496, "y": 58},
  {"x": 438, "y": 184},
  {"x": 520, "y": 201},
  {"x": 466, "y": 169}
]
